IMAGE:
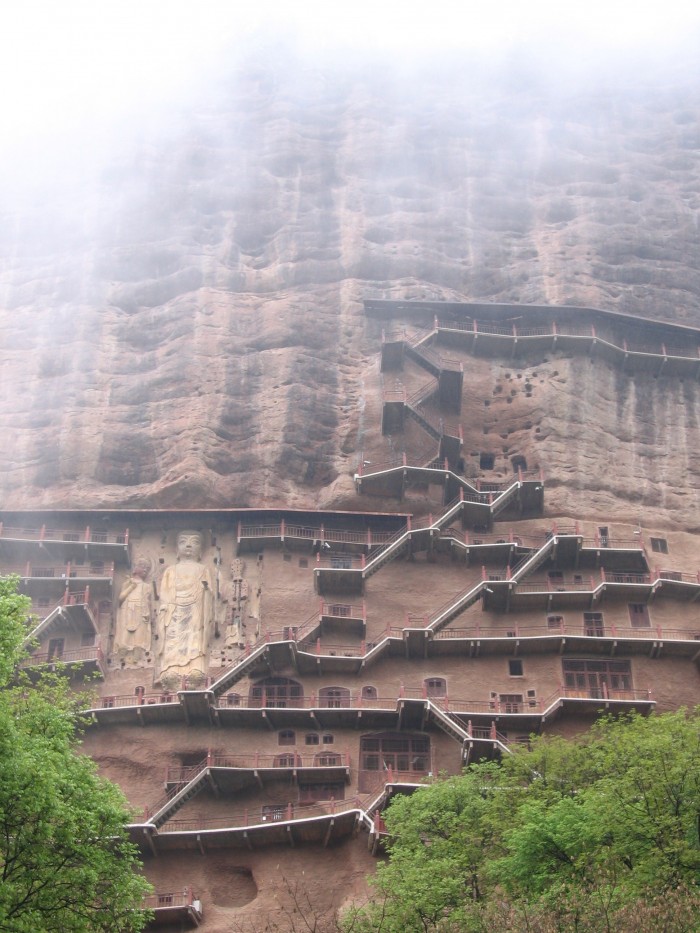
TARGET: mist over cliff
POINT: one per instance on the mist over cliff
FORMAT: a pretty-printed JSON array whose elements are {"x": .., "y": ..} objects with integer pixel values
[{"x": 181, "y": 297}]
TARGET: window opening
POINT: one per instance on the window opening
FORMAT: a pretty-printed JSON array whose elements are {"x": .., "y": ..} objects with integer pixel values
[
  {"x": 276, "y": 812},
  {"x": 487, "y": 461},
  {"x": 435, "y": 687},
  {"x": 398, "y": 751},
  {"x": 604, "y": 536},
  {"x": 515, "y": 667},
  {"x": 311, "y": 738},
  {"x": 660, "y": 545},
  {"x": 286, "y": 737},
  {"x": 595, "y": 678},
  {"x": 328, "y": 760},
  {"x": 276, "y": 692},
  {"x": 639, "y": 615},
  {"x": 334, "y": 697},
  {"x": 290, "y": 760},
  {"x": 511, "y": 702},
  {"x": 593, "y": 624}
]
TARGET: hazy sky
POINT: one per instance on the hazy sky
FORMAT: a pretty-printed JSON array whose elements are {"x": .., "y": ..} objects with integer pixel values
[{"x": 65, "y": 63}]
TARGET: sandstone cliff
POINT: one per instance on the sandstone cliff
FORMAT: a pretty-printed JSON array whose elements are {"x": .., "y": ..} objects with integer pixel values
[{"x": 185, "y": 327}]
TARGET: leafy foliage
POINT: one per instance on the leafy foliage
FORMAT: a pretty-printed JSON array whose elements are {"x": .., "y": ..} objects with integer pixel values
[
  {"x": 65, "y": 861},
  {"x": 601, "y": 833}
]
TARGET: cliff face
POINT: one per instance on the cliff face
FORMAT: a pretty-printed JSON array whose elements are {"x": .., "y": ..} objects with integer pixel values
[{"x": 185, "y": 327}]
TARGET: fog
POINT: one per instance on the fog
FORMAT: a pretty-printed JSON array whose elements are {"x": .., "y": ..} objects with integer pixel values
[{"x": 85, "y": 75}]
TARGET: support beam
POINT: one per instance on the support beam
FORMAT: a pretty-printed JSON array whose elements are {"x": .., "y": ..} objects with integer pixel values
[
  {"x": 329, "y": 831},
  {"x": 151, "y": 842}
]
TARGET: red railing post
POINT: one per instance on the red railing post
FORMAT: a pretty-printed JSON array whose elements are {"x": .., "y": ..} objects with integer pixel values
[{"x": 289, "y": 811}]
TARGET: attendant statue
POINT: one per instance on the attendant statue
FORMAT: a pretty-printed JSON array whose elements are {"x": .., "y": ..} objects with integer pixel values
[
  {"x": 186, "y": 614},
  {"x": 134, "y": 615}
]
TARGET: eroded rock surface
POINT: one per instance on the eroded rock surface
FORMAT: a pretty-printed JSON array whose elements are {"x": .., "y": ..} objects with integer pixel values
[{"x": 185, "y": 328}]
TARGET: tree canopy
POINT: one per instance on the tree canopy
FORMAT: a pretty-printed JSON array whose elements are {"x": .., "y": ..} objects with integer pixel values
[
  {"x": 65, "y": 861},
  {"x": 595, "y": 834}
]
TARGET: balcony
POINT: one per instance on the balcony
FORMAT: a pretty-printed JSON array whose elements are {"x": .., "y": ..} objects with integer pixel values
[
  {"x": 88, "y": 660},
  {"x": 230, "y": 773},
  {"x": 252, "y": 827},
  {"x": 69, "y": 543},
  {"x": 603, "y": 639},
  {"x": 54, "y": 578},
  {"x": 181, "y": 907}
]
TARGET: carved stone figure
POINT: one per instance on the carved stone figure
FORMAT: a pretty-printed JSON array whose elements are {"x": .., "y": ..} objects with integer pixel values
[
  {"x": 186, "y": 612},
  {"x": 134, "y": 619}
]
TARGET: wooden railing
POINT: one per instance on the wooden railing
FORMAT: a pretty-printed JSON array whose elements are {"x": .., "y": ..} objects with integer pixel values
[
  {"x": 74, "y": 656},
  {"x": 84, "y": 535},
  {"x": 68, "y": 571},
  {"x": 186, "y": 898},
  {"x": 283, "y": 760},
  {"x": 556, "y": 329},
  {"x": 579, "y": 630},
  {"x": 243, "y": 817}
]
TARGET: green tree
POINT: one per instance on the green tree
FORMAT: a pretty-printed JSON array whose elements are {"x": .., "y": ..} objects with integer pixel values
[
  {"x": 596, "y": 834},
  {"x": 65, "y": 861}
]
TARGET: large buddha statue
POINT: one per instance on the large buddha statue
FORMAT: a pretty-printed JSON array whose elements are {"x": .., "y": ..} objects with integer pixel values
[
  {"x": 186, "y": 613},
  {"x": 132, "y": 638}
]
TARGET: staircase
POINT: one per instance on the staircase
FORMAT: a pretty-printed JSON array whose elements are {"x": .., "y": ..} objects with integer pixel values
[
  {"x": 393, "y": 547},
  {"x": 455, "y": 606},
  {"x": 428, "y": 426},
  {"x": 447, "y": 723},
  {"x": 165, "y": 809},
  {"x": 426, "y": 358},
  {"x": 531, "y": 562}
]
